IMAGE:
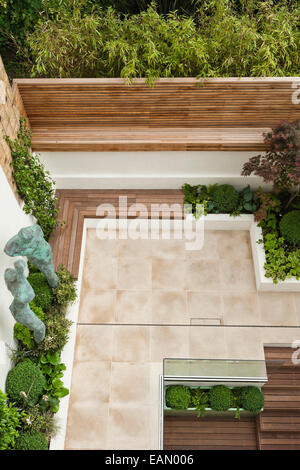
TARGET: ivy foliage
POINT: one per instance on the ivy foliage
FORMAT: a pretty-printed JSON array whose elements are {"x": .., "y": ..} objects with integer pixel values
[{"x": 34, "y": 184}]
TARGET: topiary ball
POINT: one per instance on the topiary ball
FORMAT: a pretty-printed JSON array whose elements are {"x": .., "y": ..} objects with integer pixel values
[
  {"x": 43, "y": 292},
  {"x": 25, "y": 383},
  {"x": 220, "y": 398},
  {"x": 31, "y": 441},
  {"x": 178, "y": 397},
  {"x": 290, "y": 227},
  {"x": 252, "y": 399},
  {"x": 225, "y": 198}
]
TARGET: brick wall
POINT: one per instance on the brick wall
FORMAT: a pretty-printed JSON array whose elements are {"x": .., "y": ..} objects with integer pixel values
[{"x": 10, "y": 113}]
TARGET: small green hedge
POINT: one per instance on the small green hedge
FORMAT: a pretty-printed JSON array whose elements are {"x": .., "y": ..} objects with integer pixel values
[
  {"x": 178, "y": 397},
  {"x": 43, "y": 292},
  {"x": 225, "y": 198},
  {"x": 31, "y": 441},
  {"x": 290, "y": 227},
  {"x": 25, "y": 383},
  {"x": 218, "y": 398},
  {"x": 252, "y": 399}
]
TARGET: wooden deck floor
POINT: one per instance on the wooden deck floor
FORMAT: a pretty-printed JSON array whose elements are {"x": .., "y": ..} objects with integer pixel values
[
  {"x": 189, "y": 433},
  {"x": 276, "y": 428},
  {"x": 76, "y": 205}
]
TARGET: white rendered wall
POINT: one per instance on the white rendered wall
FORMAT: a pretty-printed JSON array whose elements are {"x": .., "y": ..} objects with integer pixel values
[
  {"x": 146, "y": 170},
  {"x": 12, "y": 219}
]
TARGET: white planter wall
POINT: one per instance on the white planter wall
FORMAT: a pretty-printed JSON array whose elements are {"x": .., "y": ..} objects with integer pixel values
[
  {"x": 12, "y": 219},
  {"x": 147, "y": 170}
]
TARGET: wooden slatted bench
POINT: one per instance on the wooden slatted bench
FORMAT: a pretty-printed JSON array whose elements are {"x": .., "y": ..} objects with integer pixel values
[{"x": 175, "y": 114}]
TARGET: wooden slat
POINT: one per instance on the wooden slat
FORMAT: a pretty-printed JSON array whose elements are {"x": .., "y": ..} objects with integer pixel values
[
  {"x": 209, "y": 433},
  {"x": 76, "y": 205},
  {"x": 176, "y": 114}
]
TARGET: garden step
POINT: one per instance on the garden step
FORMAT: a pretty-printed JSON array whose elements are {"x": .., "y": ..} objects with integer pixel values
[{"x": 277, "y": 423}]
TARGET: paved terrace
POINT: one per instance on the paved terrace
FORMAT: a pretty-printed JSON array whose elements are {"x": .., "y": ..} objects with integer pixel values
[{"x": 137, "y": 302}]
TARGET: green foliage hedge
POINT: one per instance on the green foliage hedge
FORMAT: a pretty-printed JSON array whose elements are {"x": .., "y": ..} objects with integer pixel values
[
  {"x": 217, "y": 38},
  {"x": 218, "y": 398},
  {"x": 252, "y": 399},
  {"x": 25, "y": 383},
  {"x": 65, "y": 292},
  {"x": 10, "y": 420},
  {"x": 217, "y": 198},
  {"x": 43, "y": 292},
  {"x": 290, "y": 227},
  {"x": 31, "y": 441},
  {"x": 225, "y": 198},
  {"x": 178, "y": 397}
]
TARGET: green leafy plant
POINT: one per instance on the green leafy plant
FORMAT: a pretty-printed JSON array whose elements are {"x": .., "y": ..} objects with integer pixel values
[
  {"x": 221, "y": 39},
  {"x": 31, "y": 441},
  {"x": 246, "y": 202},
  {"x": 252, "y": 399},
  {"x": 38, "y": 420},
  {"x": 25, "y": 383},
  {"x": 23, "y": 334},
  {"x": 290, "y": 227},
  {"x": 43, "y": 292},
  {"x": 53, "y": 370},
  {"x": 178, "y": 397},
  {"x": 200, "y": 401},
  {"x": 220, "y": 398},
  {"x": 10, "y": 422},
  {"x": 237, "y": 401},
  {"x": 65, "y": 293},
  {"x": 197, "y": 197},
  {"x": 34, "y": 184},
  {"x": 225, "y": 198}
]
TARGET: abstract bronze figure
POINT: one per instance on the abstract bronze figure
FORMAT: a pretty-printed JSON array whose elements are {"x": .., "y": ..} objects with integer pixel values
[
  {"x": 30, "y": 242},
  {"x": 23, "y": 293}
]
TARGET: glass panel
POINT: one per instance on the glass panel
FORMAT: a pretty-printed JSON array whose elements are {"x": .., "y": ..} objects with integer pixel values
[{"x": 215, "y": 368}]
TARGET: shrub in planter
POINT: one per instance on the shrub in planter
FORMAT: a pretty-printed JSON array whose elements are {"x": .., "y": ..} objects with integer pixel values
[
  {"x": 290, "y": 227},
  {"x": 225, "y": 198},
  {"x": 38, "y": 420},
  {"x": 252, "y": 399},
  {"x": 43, "y": 292},
  {"x": 23, "y": 334},
  {"x": 31, "y": 441},
  {"x": 65, "y": 292},
  {"x": 25, "y": 383},
  {"x": 9, "y": 423},
  {"x": 178, "y": 397},
  {"x": 220, "y": 398}
]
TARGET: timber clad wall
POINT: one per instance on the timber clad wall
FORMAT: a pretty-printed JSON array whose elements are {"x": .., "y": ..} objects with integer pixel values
[
  {"x": 10, "y": 113},
  {"x": 176, "y": 114}
]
